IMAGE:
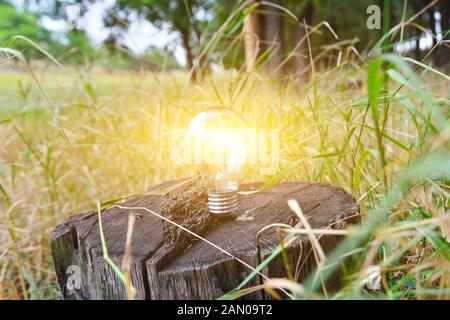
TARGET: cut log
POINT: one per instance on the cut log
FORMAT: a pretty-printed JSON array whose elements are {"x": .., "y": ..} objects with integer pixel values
[{"x": 199, "y": 270}]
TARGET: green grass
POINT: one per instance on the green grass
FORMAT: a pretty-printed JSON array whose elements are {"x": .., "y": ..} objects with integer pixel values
[{"x": 88, "y": 136}]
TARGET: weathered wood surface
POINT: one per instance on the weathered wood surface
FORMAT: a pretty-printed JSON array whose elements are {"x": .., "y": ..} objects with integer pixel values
[{"x": 198, "y": 271}]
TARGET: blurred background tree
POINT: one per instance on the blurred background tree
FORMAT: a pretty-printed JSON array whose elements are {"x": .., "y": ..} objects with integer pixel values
[
  {"x": 74, "y": 44},
  {"x": 275, "y": 29},
  {"x": 25, "y": 24}
]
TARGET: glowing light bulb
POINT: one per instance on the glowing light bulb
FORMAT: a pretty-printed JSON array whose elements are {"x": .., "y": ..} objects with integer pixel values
[{"x": 220, "y": 148}]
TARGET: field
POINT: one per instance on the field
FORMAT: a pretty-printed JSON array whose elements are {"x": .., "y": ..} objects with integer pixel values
[{"x": 379, "y": 128}]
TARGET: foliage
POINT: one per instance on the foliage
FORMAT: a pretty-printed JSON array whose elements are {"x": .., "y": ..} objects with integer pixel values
[
  {"x": 75, "y": 48},
  {"x": 26, "y": 24}
]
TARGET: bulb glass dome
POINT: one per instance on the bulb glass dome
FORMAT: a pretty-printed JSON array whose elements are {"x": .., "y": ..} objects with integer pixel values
[{"x": 219, "y": 144}]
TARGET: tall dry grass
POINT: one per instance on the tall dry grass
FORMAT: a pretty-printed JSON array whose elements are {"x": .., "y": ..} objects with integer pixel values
[{"x": 377, "y": 126}]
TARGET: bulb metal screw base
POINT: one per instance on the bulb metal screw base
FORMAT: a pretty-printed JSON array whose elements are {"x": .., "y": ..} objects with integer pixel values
[{"x": 222, "y": 203}]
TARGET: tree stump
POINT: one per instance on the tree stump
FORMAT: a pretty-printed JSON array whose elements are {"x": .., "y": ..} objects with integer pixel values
[{"x": 196, "y": 270}]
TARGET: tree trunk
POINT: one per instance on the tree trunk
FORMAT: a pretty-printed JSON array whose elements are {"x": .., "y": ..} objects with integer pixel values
[
  {"x": 251, "y": 41},
  {"x": 417, "y": 51},
  {"x": 301, "y": 58},
  {"x": 443, "y": 51},
  {"x": 273, "y": 35},
  {"x": 417, "y": 6},
  {"x": 432, "y": 24},
  {"x": 189, "y": 54}
]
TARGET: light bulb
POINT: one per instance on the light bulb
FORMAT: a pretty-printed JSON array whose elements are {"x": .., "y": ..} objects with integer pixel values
[{"x": 220, "y": 149}]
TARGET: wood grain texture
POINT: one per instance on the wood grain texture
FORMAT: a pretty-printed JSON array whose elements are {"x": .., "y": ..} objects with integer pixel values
[{"x": 198, "y": 271}]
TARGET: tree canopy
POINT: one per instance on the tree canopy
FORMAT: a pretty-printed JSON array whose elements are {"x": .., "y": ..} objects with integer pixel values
[
  {"x": 73, "y": 44},
  {"x": 196, "y": 22}
]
